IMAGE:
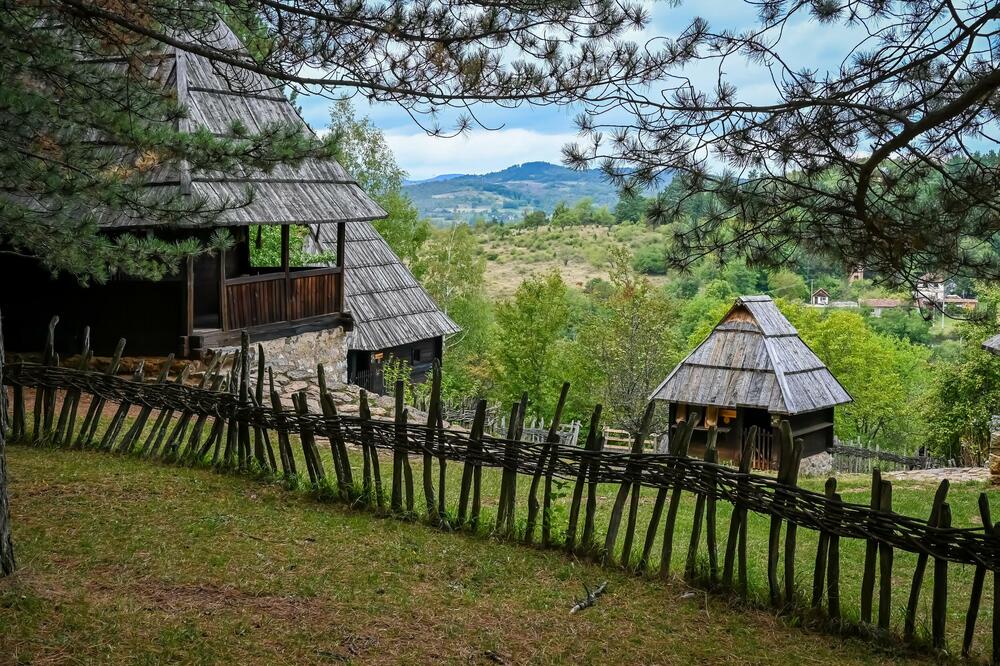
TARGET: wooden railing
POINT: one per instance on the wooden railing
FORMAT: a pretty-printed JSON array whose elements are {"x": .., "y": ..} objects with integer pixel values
[{"x": 252, "y": 300}]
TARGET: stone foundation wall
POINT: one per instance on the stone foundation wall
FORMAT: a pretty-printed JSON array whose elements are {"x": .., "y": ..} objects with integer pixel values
[{"x": 293, "y": 361}]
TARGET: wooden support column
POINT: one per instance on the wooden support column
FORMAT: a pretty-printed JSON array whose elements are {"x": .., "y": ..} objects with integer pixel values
[
  {"x": 189, "y": 296},
  {"x": 223, "y": 302},
  {"x": 341, "y": 247},
  {"x": 285, "y": 261}
]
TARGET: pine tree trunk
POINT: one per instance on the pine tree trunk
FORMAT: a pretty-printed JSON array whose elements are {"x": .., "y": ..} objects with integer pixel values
[{"x": 7, "y": 563}]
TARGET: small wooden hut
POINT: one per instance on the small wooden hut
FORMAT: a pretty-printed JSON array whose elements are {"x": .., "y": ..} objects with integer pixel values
[
  {"x": 754, "y": 370},
  {"x": 394, "y": 316}
]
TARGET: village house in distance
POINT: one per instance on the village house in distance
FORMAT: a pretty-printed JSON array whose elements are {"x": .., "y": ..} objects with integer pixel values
[
  {"x": 754, "y": 370},
  {"x": 302, "y": 315}
]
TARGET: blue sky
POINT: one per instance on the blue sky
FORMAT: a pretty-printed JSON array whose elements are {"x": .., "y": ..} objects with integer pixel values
[{"x": 529, "y": 134}]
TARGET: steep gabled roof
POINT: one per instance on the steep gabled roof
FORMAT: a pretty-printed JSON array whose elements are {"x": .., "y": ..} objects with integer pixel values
[
  {"x": 316, "y": 191},
  {"x": 388, "y": 305},
  {"x": 754, "y": 358}
]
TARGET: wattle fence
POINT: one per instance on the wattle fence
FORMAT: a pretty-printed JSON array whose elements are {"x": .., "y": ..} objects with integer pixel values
[{"x": 235, "y": 420}]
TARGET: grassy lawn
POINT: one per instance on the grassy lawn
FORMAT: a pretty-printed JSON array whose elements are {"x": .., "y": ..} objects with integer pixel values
[{"x": 130, "y": 561}]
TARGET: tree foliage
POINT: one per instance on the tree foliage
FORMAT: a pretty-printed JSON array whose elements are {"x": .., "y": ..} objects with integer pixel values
[
  {"x": 872, "y": 162},
  {"x": 73, "y": 71},
  {"x": 529, "y": 327},
  {"x": 629, "y": 344},
  {"x": 362, "y": 150},
  {"x": 965, "y": 393}
]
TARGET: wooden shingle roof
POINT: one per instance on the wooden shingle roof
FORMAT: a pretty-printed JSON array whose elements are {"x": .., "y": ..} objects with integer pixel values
[
  {"x": 992, "y": 344},
  {"x": 754, "y": 358},
  {"x": 316, "y": 191},
  {"x": 389, "y": 307}
]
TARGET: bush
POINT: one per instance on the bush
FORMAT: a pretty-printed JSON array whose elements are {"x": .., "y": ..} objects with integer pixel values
[{"x": 650, "y": 260}]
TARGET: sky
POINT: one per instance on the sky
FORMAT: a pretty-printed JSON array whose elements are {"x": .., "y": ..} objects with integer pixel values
[{"x": 532, "y": 134}]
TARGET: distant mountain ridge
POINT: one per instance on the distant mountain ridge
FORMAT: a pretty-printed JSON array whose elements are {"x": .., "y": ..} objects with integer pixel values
[{"x": 507, "y": 194}]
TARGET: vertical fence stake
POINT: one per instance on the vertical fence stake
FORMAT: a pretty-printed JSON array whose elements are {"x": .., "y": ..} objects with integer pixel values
[
  {"x": 885, "y": 556},
  {"x": 433, "y": 410},
  {"x": 627, "y": 487},
  {"x": 89, "y": 427},
  {"x": 284, "y": 444},
  {"x": 468, "y": 469},
  {"x": 368, "y": 443},
  {"x": 739, "y": 510},
  {"x": 979, "y": 578},
  {"x": 819, "y": 571},
  {"x": 690, "y": 566},
  {"x": 939, "y": 601},
  {"x": 71, "y": 401},
  {"x": 581, "y": 479},
  {"x": 871, "y": 552},
  {"x": 529, "y": 530},
  {"x": 909, "y": 625},
  {"x": 833, "y": 564}
]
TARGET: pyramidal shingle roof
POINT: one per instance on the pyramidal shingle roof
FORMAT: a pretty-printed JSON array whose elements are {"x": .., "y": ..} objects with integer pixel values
[
  {"x": 315, "y": 191},
  {"x": 754, "y": 358},
  {"x": 389, "y": 307}
]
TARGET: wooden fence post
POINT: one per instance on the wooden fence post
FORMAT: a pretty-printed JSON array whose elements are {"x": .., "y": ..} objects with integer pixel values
[
  {"x": 212, "y": 380},
  {"x": 690, "y": 565},
  {"x": 939, "y": 601},
  {"x": 71, "y": 401},
  {"x": 819, "y": 571},
  {"x": 833, "y": 563},
  {"x": 108, "y": 440},
  {"x": 871, "y": 552},
  {"x": 533, "y": 507},
  {"x": 398, "y": 452},
  {"x": 738, "y": 518},
  {"x": 581, "y": 479},
  {"x": 368, "y": 444},
  {"x": 909, "y": 625},
  {"x": 681, "y": 451},
  {"x": 45, "y": 396},
  {"x": 979, "y": 578},
  {"x": 508, "y": 482},
  {"x": 90, "y": 422},
  {"x": 128, "y": 441},
  {"x": 468, "y": 469},
  {"x": 243, "y": 427},
  {"x": 787, "y": 475},
  {"x": 284, "y": 443},
  {"x": 433, "y": 410},
  {"x": 885, "y": 557},
  {"x": 632, "y": 469},
  {"x": 309, "y": 450}
]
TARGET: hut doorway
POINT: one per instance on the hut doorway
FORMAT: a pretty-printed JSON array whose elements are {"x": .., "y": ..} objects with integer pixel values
[{"x": 763, "y": 446}]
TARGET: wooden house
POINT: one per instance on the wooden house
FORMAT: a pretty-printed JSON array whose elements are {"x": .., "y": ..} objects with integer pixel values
[
  {"x": 212, "y": 297},
  {"x": 754, "y": 370},
  {"x": 820, "y": 298},
  {"x": 394, "y": 316}
]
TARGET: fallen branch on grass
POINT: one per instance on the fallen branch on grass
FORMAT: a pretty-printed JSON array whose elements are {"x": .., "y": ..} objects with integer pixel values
[{"x": 590, "y": 599}]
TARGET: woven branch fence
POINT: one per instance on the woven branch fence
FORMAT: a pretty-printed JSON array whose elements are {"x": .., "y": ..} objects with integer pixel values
[
  {"x": 856, "y": 459},
  {"x": 235, "y": 420}
]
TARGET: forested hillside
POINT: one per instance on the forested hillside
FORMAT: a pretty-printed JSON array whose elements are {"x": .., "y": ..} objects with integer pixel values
[{"x": 505, "y": 195}]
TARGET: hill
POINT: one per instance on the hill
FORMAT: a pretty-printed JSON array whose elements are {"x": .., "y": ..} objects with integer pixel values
[{"x": 506, "y": 194}]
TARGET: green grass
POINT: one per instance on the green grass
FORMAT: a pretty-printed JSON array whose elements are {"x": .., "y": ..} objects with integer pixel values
[{"x": 124, "y": 560}]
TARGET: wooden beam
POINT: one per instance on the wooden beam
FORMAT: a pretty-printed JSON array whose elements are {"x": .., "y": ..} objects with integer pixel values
[
  {"x": 189, "y": 296},
  {"x": 285, "y": 261},
  {"x": 223, "y": 305},
  {"x": 341, "y": 247}
]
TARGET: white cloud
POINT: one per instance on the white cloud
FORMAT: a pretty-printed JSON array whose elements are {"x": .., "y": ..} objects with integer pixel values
[{"x": 478, "y": 151}]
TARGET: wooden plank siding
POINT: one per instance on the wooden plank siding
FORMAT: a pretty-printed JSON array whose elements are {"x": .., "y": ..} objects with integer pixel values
[{"x": 253, "y": 300}]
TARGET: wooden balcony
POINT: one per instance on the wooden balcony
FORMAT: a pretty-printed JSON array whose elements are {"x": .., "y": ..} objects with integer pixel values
[{"x": 269, "y": 298}]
